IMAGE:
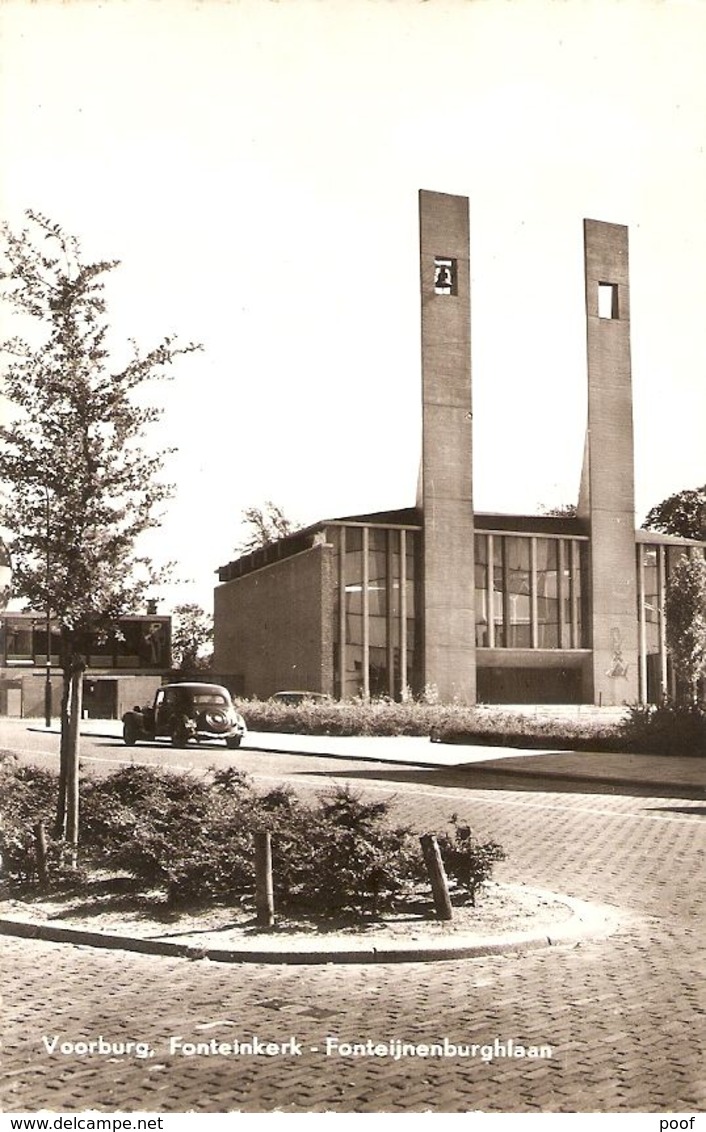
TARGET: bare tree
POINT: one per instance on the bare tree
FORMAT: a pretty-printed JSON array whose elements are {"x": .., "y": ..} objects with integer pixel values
[{"x": 263, "y": 526}]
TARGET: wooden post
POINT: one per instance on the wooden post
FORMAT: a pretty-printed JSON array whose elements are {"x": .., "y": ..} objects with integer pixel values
[
  {"x": 264, "y": 899},
  {"x": 40, "y": 837},
  {"x": 437, "y": 877}
]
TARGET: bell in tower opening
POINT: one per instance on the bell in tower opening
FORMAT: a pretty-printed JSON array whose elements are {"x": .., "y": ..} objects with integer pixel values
[{"x": 444, "y": 276}]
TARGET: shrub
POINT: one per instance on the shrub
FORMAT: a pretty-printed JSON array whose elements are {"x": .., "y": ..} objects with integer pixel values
[
  {"x": 666, "y": 729},
  {"x": 29, "y": 793},
  {"x": 339, "y": 853},
  {"x": 342, "y": 853},
  {"x": 508, "y": 729},
  {"x": 29, "y": 796},
  {"x": 349, "y": 717},
  {"x": 193, "y": 838},
  {"x": 469, "y": 862},
  {"x": 448, "y": 723},
  {"x": 330, "y": 856},
  {"x": 159, "y": 826}
]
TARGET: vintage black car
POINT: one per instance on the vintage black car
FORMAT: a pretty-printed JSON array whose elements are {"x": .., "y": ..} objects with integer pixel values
[{"x": 182, "y": 712}]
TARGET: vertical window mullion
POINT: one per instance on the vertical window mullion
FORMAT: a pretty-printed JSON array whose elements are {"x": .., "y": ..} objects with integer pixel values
[
  {"x": 506, "y": 593},
  {"x": 366, "y": 613},
  {"x": 534, "y": 613},
  {"x": 342, "y": 654},
  {"x": 642, "y": 627},
  {"x": 389, "y": 618},
  {"x": 403, "y": 612},
  {"x": 575, "y": 569},
  {"x": 490, "y": 554},
  {"x": 561, "y": 592},
  {"x": 661, "y": 587}
]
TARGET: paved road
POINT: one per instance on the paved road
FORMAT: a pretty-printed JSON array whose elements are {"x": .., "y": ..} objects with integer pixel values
[{"x": 624, "y": 1017}]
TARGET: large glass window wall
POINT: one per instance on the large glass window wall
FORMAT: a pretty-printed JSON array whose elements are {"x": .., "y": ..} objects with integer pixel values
[
  {"x": 655, "y": 562},
  {"x": 530, "y": 591},
  {"x": 547, "y": 621},
  {"x": 518, "y": 592},
  {"x": 374, "y": 610}
]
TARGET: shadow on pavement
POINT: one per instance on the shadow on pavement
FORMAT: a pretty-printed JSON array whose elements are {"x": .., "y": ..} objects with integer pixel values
[
  {"x": 468, "y": 776},
  {"x": 699, "y": 811},
  {"x": 205, "y": 747},
  {"x": 471, "y": 778}
]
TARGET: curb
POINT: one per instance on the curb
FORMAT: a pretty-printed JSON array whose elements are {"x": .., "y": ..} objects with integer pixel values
[{"x": 587, "y": 921}]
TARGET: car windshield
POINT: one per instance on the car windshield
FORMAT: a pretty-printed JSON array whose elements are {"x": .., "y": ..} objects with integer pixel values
[{"x": 209, "y": 698}]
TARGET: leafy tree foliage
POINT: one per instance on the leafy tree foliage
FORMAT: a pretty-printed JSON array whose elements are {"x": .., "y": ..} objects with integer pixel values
[
  {"x": 79, "y": 487},
  {"x": 263, "y": 526},
  {"x": 192, "y": 637},
  {"x": 682, "y": 514},
  {"x": 686, "y": 625}
]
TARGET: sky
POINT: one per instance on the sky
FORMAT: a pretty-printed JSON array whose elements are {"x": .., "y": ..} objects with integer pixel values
[{"x": 255, "y": 167}]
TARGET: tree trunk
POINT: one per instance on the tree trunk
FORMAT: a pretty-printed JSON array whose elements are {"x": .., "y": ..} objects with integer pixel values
[{"x": 73, "y": 665}]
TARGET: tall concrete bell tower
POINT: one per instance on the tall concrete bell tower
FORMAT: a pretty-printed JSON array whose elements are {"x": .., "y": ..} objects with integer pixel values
[
  {"x": 447, "y": 448},
  {"x": 607, "y": 497}
]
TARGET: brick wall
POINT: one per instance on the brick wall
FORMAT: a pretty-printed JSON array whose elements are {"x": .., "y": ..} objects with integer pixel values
[{"x": 273, "y": 627}]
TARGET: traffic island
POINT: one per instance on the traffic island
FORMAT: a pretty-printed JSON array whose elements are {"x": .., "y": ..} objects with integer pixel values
[{"x": 509, "y": 918}]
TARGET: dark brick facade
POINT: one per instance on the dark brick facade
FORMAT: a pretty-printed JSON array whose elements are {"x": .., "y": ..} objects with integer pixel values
[{"x": 274, "y": 627}]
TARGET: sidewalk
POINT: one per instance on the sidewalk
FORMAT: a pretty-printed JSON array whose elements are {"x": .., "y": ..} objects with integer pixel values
[
  {"x": 664, "y": 775},
  {"x": 658, "y": 772}
]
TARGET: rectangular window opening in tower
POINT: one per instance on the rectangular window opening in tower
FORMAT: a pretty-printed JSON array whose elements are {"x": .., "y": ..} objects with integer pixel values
[{"x": 608, "y": 300}]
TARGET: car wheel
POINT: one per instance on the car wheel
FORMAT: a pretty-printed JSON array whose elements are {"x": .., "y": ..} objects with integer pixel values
[
  {"x": 129, "y": 733},
  {"x": 234, "y": 743}
]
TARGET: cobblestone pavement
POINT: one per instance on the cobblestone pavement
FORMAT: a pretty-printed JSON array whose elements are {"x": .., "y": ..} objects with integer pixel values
[{"x": 624, "y": 1016}]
